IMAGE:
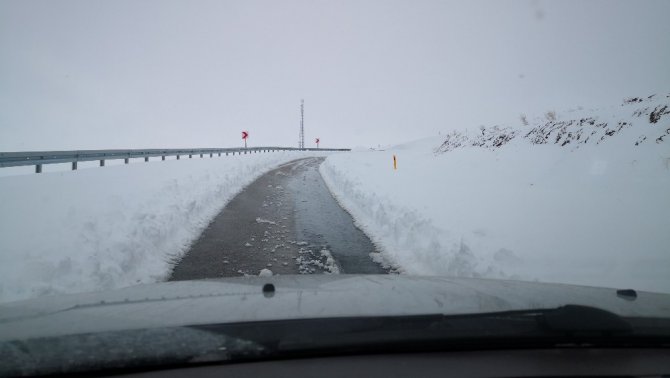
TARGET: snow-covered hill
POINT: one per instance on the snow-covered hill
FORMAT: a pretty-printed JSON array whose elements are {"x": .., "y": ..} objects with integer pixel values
[
  {"x": 581, "y": 196},
  {"x": 639, "y": 116}
]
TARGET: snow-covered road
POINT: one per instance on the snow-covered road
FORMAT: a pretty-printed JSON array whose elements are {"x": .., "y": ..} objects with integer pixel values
[
  {"x": 285, "y": 222},
  {"x": 116, "y": 226}
]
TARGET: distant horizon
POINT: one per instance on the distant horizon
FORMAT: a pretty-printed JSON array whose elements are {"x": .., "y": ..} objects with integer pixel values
[{"x": 440, "y": 133}]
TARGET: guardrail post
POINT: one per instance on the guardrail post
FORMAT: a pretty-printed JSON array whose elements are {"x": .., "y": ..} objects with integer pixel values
[
  {"x": 177, "y": 157},
  {"x": 211, "y": 155},
  {"x": 38, "y": 168},
  {"x": 163, "y": 157},
  {"x": 126, "y": 161},
  {"x": 146, "y": 159},
  {"x": 102, "y": 162},
  {"x": 200, "y": 156},
  {"x": 74, "y": 165},
  {"x": 219, "y": 154}
]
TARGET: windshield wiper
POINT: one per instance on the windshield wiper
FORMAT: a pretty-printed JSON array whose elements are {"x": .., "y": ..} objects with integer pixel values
[
  {"x": 584, "y": 319},
  {"x": 565, "y": 326}
]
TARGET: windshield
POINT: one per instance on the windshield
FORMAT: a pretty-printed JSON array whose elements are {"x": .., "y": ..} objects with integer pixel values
[{"x": 469, "y": 156}]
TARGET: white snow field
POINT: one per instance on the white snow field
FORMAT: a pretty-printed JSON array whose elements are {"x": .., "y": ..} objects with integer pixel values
[
  {"x": 115, "y": 226},
  {"x": 582, "y": 199}
]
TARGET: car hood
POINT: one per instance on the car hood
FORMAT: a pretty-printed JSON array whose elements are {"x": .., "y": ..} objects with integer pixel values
[{"x": 243, "y": 299}]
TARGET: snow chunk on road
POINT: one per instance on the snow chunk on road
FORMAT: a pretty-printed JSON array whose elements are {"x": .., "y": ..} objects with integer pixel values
[
  {"x": 330, "y": 265},
  {"x": 265, "y": 273},
  {"x": 261, "y": 220}
]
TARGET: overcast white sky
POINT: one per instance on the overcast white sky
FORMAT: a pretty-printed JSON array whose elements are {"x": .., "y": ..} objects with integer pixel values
[{"x": 148, "y": 73}]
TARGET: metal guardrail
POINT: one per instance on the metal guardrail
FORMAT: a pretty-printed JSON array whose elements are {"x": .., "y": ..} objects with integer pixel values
[{"x": 39, "y": 158}]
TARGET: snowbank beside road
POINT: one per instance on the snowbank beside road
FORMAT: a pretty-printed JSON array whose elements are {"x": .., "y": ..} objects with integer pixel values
[
  {"x": 105, "y": 228},
  {"x": 523, "y": 203}
]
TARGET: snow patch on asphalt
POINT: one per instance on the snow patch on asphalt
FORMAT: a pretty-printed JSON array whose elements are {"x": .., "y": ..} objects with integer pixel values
[{"x": 311, "y": 261}]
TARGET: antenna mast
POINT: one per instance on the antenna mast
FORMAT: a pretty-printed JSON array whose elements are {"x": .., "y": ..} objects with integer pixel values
[{"x": 301, "y": 142}]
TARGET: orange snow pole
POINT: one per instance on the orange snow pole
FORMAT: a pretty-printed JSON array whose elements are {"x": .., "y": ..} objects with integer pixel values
[{"x": 395, "y": 163}]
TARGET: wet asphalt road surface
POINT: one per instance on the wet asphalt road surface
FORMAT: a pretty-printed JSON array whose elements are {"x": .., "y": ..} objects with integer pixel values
[{"x": 286, "y": 221}]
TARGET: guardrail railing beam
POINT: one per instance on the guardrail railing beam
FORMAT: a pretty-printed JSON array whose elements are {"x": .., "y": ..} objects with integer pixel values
[{"x": 39, "y": 158}]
